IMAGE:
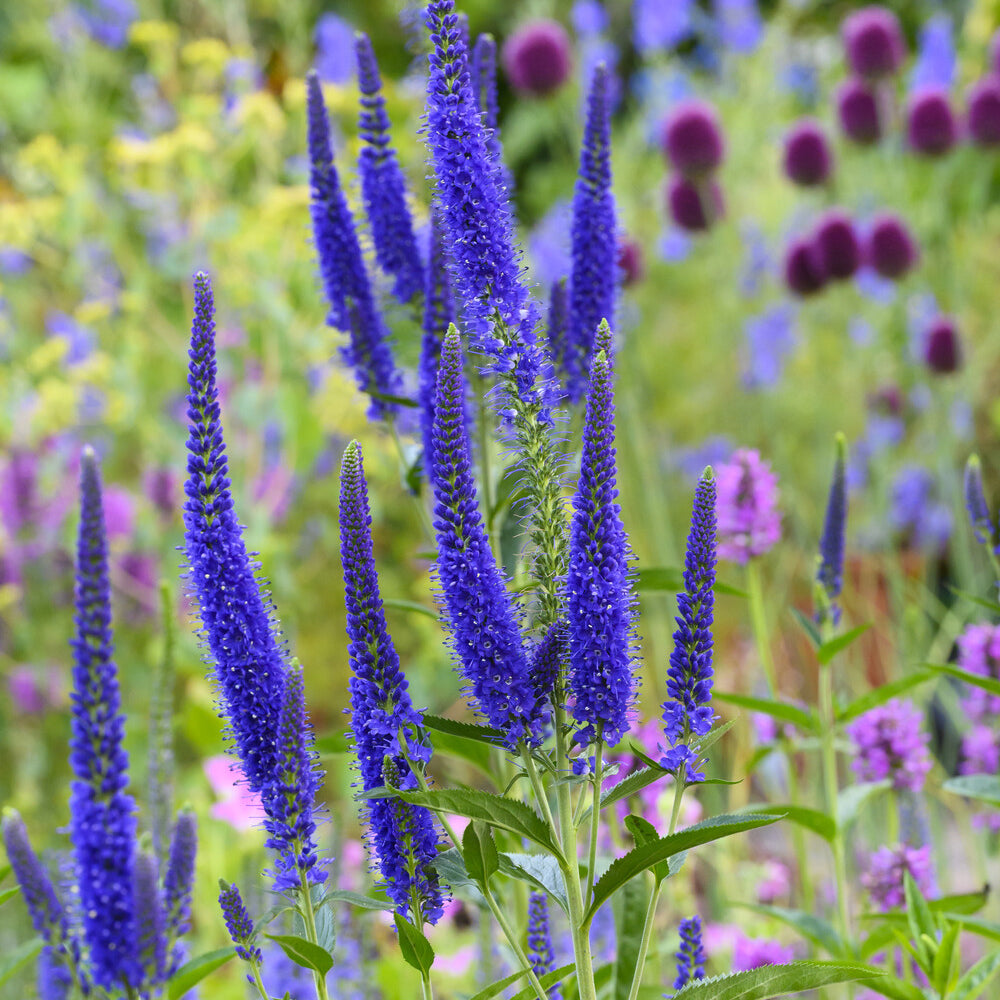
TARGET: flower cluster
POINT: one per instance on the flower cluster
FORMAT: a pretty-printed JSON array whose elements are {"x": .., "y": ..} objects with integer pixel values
[
  {"x": 691, "y": 954},
  {"x": 886, "y": 872},
  {"x": 746, "y": 506},
  {"x": 889, "y": 742},
  {"x": 540, "y": 951},
  {"x": 693, "y": 145}
]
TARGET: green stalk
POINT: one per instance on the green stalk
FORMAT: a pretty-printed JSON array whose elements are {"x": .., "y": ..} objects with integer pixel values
[
  {"x": 257, "y": 981},
  {"x": 799, "y": 837},
  {"x": 309, "y": 919},
  {"x": 426, "y": 989},
  {"x": 829, "y": 760},
  {"x": 595, "y": 815},
  {"x": 758, "y": 619}
]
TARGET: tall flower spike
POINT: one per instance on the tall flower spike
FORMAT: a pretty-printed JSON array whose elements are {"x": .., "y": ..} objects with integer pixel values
[
  {"x": 178, "y": 883},
  {"x": 475, "y": 213},
  {"x": 236, "y": 617},
  {"x": 238, "y": 922},
  {"x": 161, "y": 726},
  {"x": 975, "y": 502},
  {"x": 598, "y": 594},
  {"x": 830, "y": 575},
  {"x": 290, "y": 793},
  {"x": 383, "y": 186},
  {"x": 594, "y": 238},
  {"x": 383, "y": 720},
  {"x": 689, "y": 677},
  {"x": 439, "y": 313},
  {"x": 151, "y": 937},
  {"x": 541, "y": 954},
  {"x": 483, "y": 620},
  {"x": 557, "y": 323},
  {"x": 102, "y": 814},
  {"x": 691, "y": 954},
  {"x": 483, "y": 71},
  {"x": 342, "y": 267},
  {"x": 547, "y": 661}
]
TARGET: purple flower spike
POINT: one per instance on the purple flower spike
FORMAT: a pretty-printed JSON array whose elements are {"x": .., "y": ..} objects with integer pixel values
[
  {"x": 595, "y": 241},
  {"x": 694, "y": 205},
  {"x": 102, "y": 813},
  {"x": 151, "y": 929},
  {"x": 383, "y": 186},
  {"x": 538, "y": 57},
  {"x": 975, "y": 502},
  {"x": 342, "y": 267},
  {"x": 691, "y": 954},
  {"x": 688, "y": 712},
  {"x": 887, "y": 869},
  {"x": 858, "y": 112},
  {"x": 830, "y": 575},
  {"x": 238, "y": 922},
  {"x": 984, "y": 112},
  {"x": 541, "y": 954},
  {"x": 891, "y": 249},
  {"x": 178, "y": 883},
  {"x": 889, "y": 742},
  {"x": 557, "y": 322},
  {"x": 483, "y": 72},
  {"x": 493, "y": 660},
  {"x": 749, "y": 521},
  {"x": 692, "y": 139},
  {"x": 931, "y": 126},
  {"x": 804, "y": 274},
  {"x": 385, "y": 725},
  {"x": 475, "y": 214},
  {"x": 598, "y": 594},
  {"x": 808, "y": 159},
  {"x": 979, "y": 653},
  {"x": 838, "y": 249},
  {"x": 873, "y": 42},
  {"x": 942, "y": 350}
]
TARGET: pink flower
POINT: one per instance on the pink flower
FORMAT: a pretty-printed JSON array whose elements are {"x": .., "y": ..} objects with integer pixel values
[
  {"x": 776, "y": 883},
  {"x": 119, "y": 512},
  {"x": 457, "y": 963},
  {"x": 353, "y": 862},
  {"x": 746, "y": 506},
  {"x": 31, "y": 691},
  {"x": 237, "y": 805}
]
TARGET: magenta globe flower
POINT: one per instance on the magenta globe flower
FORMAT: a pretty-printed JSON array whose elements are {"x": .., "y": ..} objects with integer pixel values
[
  {"x": 694, "y": 206},
  {"x": 692, "y": 139},
  {"x": 804, "y": 274},
  {"x": 808, "y": 159},
  {"x": 873, "y": 42},
  {"x": 749, "y": 522},
  {"x": 891, "y": 250},
  {"x": 631, "y": 262},
  {"x": 838, "y": 249},
  {"x": 984, "y": 112},
  {"x": 538, "y": 57},
  {"x": 942, "y": 350},
  {"x": 931, "y": 126},
  {"x": 858, "y": 112}
]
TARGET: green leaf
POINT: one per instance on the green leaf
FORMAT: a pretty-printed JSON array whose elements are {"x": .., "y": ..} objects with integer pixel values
[
  {"x": 984, "y": 928},
  {"x": 808, "y": 626},
  {"x": 882, "y": 694},
  {"x": 643, "y": 832},
  {"x": 303, "y": 952},
  {"x": 973, "y": 982},
  {"x": 983, "y": 602},
  {"x": 465, "y": 730},
  {"x": 507, "y": 814},
  {"x": 985, "y": 787},
  {"x": 811, "y": 819},
  {"x": 5, "y": 871},
  {"x": 799, "y": 717},
  {"x": 17, "y": 958},
  {"x": 777, "y": 981},
  {"x": 479, "y": 852},
  {"x": 9, "y": 894},
  {"x": 946, "y": 960},
  {"x": 990, "y": 684},
  {"x": 540, "y": 870},
  {"x": 416, "y": 949},
  {"x": 839, "y": 643},
  {"x": 713, "y": 736},
  {"x": 648, "y": 855},
  {"x": 630, "y": 919},
  {"x": 191, "y": 973},
  {"x": 896, "y": 989},
  {"x": 853, "y": 797},
  {"x": 918, "y": 914},
  {"x": 412, "y": 606},
  {"x": 550, "y": 979},
  {"x": 356, "y": 899},
  {"x": 451, "y": 868},
  {"x": 963, "y": 902},
  {"x": 627, "y": 787},
  {"x": 811, "y": 927},
  {"x": 471, "y": 751}
]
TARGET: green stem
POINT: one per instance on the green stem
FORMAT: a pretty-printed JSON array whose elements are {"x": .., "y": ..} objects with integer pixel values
[
  {"x": 309, "y": 919},
  {"x": 647, "y": 936},
  {"x": 798, "y": 835},
  {"x": 425, "y": 985},
  {"x": 539, "y": 789},
  {"x": 595, "y": 815},
  {"x": 675, "y": 813},
  {"x": 257, "y": 981},
  {"x": 758, "y": 618}
]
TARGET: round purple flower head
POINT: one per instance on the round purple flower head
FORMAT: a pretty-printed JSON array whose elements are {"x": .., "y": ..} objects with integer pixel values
[
  {"x": 630, "y": 261},
  {"x": 694, "y": 206},
  {"x": 979, "y": 653},
  {"x": 692, "y": 139},
  {"x": 858, "y": 112},
  {"x": 889, "y": 742},
  {"x": 984, "y": 112},
  {"x": 873, "y": 42},
  {"x": 931, "y": 126},
  {"x": 747, "y": 507},
  {"x": 942, "y": 351},
  {"x": 537, "y": 57},
  {"x": 837, "y": 247},
  {"x": 887, "y": 868},
  {"x": 808, "y": 159},
  {"x": 980, "y": 753},
  {"x": 804, "y": 274},
  {"x": 891, "y": 249}
]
